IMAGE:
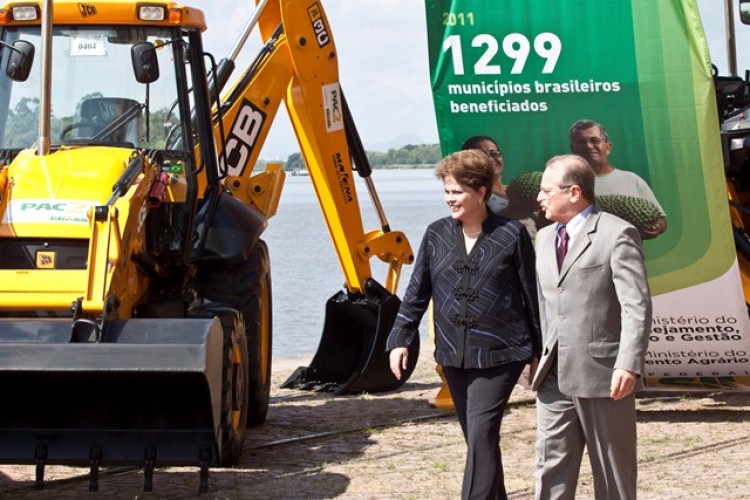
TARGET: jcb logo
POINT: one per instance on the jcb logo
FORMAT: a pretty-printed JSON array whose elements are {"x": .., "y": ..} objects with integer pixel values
[
  {"x": 108, "y": 110},
  {"x": 242, "y": 138},
  {"x": 45, "y": 260},
  {"x": 319, "y": 27},
  {"x": 86, "y": 10}
]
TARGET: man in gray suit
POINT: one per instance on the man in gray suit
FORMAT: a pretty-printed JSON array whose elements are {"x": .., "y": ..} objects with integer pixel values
[{"x": 595, "y": 311}]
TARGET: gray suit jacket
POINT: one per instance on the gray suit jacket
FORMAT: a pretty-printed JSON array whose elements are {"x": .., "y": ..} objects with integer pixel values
[{"x": 596, "y": 311}]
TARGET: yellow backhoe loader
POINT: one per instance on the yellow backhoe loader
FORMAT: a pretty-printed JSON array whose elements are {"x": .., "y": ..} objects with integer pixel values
[{"x": 135, "y": 287}]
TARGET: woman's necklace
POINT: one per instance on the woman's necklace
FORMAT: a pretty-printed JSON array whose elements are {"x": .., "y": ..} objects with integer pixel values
[{"x": 473, "y": 234}]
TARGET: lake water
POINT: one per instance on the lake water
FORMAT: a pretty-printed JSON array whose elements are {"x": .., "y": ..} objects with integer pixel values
[{"x": 305, "y": 271}]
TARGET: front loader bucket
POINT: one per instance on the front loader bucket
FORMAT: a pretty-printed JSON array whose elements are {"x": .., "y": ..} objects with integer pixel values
[
  {"x": 351, "y": 357},
  {"x": 150, "y": 390}
]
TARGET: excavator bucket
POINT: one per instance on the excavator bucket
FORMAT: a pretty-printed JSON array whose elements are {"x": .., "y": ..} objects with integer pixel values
[
  {"x": 351, "y": 357},
  {"x": 144, "y": 393}
]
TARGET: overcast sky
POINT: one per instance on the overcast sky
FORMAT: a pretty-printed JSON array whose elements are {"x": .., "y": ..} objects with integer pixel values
[{"x": 383, "y": 66}]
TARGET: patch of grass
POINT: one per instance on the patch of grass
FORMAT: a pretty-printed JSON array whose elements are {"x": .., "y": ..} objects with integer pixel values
[{"x": 441, "y": 466}]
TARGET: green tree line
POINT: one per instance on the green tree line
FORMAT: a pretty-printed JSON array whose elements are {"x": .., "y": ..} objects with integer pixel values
[
  {"x": 22, "y": 126},
  {"x": 409, "y": 156},
  {"x": 21, "y": 131}
]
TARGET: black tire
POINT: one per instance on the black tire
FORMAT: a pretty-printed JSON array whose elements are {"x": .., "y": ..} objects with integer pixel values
[
  {"x": 247, "y": 287},
  {"x": 259, "y": 332},
  {"x": 234, "y": 389},
  {"x": 234, "y": 381}
]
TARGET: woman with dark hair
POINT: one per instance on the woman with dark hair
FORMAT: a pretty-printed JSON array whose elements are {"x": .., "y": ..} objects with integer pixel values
[{"x": 478, "y": 269}]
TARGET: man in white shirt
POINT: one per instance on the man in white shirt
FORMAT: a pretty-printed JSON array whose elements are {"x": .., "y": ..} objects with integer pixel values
[{"x": 589, "y": 139}]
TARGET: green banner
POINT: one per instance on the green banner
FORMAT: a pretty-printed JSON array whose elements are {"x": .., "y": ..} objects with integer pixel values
[{"x": 523, "y": 71}]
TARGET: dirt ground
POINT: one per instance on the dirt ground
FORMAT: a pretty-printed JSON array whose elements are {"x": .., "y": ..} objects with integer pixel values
[{"x": 396, "y": 445}]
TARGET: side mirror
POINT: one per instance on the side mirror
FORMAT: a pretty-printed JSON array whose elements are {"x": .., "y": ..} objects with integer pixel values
[
  {"x": 145, "y": 63},
  {"x": 20, "y": 60},
  {"x": 745, "y": 11}
]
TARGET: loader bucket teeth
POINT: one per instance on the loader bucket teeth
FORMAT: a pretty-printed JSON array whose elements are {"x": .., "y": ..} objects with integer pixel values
[
  {"x": 147, "y": 393},
  {"x": 351, "y": 357}
]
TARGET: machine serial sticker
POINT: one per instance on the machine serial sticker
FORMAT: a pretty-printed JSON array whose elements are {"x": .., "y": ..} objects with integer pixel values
[
  {"x": 73, "y": 212},
  {"x": 89, "y": 45},
  {"x": 332, "y": 107}
]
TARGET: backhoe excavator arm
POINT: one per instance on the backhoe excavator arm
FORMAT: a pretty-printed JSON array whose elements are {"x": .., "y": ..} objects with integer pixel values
[{"x": 299, "y": 66}]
